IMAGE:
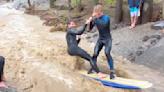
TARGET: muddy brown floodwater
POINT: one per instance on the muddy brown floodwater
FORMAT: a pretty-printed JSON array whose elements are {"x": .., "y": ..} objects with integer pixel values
[{"x": 37, "y": 60}]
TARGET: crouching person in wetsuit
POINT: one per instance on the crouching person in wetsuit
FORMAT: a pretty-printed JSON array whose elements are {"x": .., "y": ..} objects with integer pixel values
[
  {"x": 103, "y": 24},
  {"x": 75, "y": 50},
  {"x": 2, "y": 78}
]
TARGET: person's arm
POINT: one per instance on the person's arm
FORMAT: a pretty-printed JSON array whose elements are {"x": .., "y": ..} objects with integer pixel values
[
  {"x": 79, "y": 39},
  {"x": 91, "y": 24},
  {"x": 78, "y": 32},
  {"x": 128, "y": 2}
]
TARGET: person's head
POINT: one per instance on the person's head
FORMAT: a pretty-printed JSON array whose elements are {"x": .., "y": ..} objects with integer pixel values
[
  {"x": 71, "y": 24},
  {"x": 98, "y": 11}
]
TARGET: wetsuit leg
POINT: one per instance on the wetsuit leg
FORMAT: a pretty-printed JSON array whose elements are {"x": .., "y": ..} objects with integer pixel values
[
  {"x": 2, "y": 61},
  {"x": 108, "y": 46},
  {"x": 77, "y": 51},
  {"x": 97, "y": 50}
]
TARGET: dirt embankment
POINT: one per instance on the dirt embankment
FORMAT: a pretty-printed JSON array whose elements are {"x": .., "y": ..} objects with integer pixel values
[{"x": 37, "y": 60}]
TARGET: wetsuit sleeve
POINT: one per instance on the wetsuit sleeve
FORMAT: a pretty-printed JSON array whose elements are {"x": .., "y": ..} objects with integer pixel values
[
  {"x": 78, "y": 41},
  {"x": 78, "y": 32},
  {"x": 91, "y": 25}
]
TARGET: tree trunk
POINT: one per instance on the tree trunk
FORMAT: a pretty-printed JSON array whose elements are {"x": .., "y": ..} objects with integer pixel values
[
  {"x": 95, "y": 2},
  {"x": 79, "y": 6},
  {"x": 69, "y": 4},
  {"x": 147, "y": 11},
  {"x": 52, "y": 3},
  {"x": 29, "y": 3},
  {"x": 118, "y": 11}
]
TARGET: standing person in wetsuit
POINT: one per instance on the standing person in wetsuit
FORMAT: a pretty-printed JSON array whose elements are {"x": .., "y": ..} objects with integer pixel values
[
  {"x": 2, "y": 78},
  {"x": 103, "y": 24},
  {"x": 75, "y": 50}
]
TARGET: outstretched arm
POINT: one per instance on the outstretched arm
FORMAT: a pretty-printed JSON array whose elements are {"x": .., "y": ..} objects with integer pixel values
[
  {"x": 78, "y": 32},
  {"x": 92, "y": 23}
]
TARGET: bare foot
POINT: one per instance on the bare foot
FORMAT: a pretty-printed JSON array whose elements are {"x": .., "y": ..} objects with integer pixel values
[
  {"x": 2, "y": 84},
  {"x": 4, "y": 79},
  {"x": 131, "y": 27},
  {"x": 101, "y": 75}
]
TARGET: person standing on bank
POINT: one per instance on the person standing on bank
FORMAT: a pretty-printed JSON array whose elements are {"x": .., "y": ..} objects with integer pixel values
[{"x": 134, "y": 11}]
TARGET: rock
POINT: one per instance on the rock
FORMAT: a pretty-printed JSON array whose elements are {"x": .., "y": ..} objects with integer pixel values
[
  {"x": 140, "y": 48},
  {"x": 158, "y": 25},
  {"x": 156, "y": 36},
  {"x": 131, "y": 57},
  {"x": 90, "y": 41},
  {"x": 162, "y": 35},
  {"x": 139, "y": 52},
  {"x": 150, "y": 43},
  {"x": 95, "y": 35},
  {"x": 145, "y": 38},
  {"x": 130, "y": 54},
  {"x": 153, "y": 41},
  {"x": 117, "y": 42},
  {"x": 114, "y": 27},
  {"x": 88, "y": 37},
  {"x": 2, "y": 89}
]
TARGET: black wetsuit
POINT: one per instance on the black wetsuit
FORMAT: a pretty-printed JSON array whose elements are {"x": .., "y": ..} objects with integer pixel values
[
  {"x": 74, "y": 49},
  {"x": 105, "y": 39},
  {"x": 2, "y": 62}
]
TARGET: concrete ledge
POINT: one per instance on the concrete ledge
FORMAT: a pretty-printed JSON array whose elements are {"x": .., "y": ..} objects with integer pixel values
[{"x": 158, "y": 25}]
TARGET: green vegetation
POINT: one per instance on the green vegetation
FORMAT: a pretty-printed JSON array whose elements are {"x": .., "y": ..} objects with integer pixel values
[
  {"x": 111, "y": 2},
  {"x": 49, "y": 8},
  {"x": 54, "y": 2},
  {"x": 65, "y": 18},
  {"x": 74, "y": 2}
]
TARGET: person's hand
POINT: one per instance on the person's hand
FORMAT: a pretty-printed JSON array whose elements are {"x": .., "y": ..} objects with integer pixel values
[
  {"x": 94, "y": 15},
  {"x": 91, "y": 19},
  {"x": 88, "y": 22},
  {"x": 79, "y": 36}
]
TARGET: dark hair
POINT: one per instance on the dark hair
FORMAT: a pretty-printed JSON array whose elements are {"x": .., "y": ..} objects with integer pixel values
[{"x": 69, "y": 22}]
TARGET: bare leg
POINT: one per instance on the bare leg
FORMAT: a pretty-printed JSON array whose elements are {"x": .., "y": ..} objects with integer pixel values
[
  {"x": 135, "y": 19},
  {"x": 132, "y": 22}
]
